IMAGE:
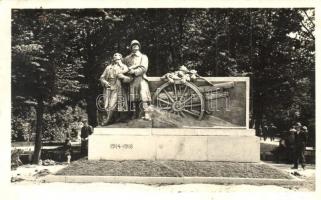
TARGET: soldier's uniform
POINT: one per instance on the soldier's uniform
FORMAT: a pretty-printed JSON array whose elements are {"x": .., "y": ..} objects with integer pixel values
[{"x": 138, "y": 88}]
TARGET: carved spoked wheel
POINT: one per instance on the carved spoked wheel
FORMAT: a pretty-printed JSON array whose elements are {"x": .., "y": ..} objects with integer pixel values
[{"x": 182, "y": 99}]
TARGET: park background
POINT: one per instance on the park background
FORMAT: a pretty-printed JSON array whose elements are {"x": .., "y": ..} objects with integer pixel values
[{"x": 59, "y": 54}]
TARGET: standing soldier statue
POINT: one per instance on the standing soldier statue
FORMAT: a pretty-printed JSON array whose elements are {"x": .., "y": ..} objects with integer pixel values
[{"x": 138, "y": 89}]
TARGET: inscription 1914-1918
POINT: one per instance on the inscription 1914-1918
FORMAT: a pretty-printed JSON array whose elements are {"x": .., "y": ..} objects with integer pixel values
[{"x": 121, "y": 146}]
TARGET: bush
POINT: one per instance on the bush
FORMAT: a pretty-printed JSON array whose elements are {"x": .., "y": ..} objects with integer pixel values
[
  {"x": 56, "y": 124},
  {"x": 59, "y": 124}
]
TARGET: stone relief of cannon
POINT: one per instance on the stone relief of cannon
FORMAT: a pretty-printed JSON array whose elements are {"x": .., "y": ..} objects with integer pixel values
[{"x": 181, "y": 96}]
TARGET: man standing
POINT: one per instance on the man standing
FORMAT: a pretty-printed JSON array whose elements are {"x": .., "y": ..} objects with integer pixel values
[
  {"x": 86, "y": 130},
  {"x": 290, "y": 144},
  {"x": 138, "y": 88},
  {"x": 265, "y": 131},
  {"x": 301, "y": 139},
  {"x": 272, "y": 131}
]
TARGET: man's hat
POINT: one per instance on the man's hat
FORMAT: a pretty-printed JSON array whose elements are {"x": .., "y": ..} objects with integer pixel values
[
  {"x": 134, "y": 42},
  {"x": 117, "y": 56}
]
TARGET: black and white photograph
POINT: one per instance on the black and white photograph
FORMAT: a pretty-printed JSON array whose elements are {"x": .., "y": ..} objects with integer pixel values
[{"x": 165, "y": 99}]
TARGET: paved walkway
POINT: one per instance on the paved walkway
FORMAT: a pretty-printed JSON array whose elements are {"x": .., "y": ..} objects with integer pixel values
[
  {"x": 56, "y": 191},
  {"x": 30, "y": 173},
  {"x": 308, "y": 175}
]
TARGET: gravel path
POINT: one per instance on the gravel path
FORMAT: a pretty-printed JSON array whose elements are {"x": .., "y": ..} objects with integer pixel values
[{"x": 53, "y": 191}]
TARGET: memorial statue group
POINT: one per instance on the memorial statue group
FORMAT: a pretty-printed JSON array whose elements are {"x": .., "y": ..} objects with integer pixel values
[
  {"x": 125, "y": 84},
  {"x": 126, "y": 90}
]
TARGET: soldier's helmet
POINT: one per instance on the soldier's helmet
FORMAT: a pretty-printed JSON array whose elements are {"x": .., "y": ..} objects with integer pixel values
[{"x": 135, "y": 42}]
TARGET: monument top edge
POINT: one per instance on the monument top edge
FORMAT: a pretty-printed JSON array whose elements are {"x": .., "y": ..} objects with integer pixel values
[
  {"x": 174, "y": 131},
  {"x": 184, "y": 128},
  {"x": 210, "y": 78}
]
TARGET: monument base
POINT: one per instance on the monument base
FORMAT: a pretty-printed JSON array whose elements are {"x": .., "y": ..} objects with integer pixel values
[{"x": 238, "y": 145}]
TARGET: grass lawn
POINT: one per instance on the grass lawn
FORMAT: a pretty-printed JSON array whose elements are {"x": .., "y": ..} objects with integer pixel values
[{"x": 171, "y": 169}]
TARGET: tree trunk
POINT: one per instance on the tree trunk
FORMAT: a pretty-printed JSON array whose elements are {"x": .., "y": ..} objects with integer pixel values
[
  {"x": 38, "y": 144},
  {"x": 92, "y": 109},
  {"x": 259, "y": 104},
  {"x": 91, "y": 96},
  {"x": 181, "y": 35}
]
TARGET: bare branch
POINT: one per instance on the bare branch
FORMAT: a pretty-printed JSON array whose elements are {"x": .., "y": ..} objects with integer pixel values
[
  {"x": 308, "y": 31},
  {"x": 306, "y": 14}
]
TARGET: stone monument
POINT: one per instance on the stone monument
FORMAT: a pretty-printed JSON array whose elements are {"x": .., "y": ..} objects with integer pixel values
[{"x": 208, "y": 120}]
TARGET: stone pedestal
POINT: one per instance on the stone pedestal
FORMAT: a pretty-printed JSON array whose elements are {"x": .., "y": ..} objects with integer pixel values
[{"x": 229, "y": 144}]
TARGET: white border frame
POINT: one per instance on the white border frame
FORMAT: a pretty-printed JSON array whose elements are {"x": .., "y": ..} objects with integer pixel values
[{"x": 5, "y": 101}]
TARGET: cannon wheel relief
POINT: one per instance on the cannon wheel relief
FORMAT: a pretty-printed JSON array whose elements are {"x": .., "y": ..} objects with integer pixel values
[{"x": 182, "y": 99}]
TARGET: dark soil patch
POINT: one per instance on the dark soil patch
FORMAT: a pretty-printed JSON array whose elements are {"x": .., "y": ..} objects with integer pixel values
[
  {"x": 227, "y": 169},
  {"x": 117, "y": 168},
  {"x": 171, "y": 169}
]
